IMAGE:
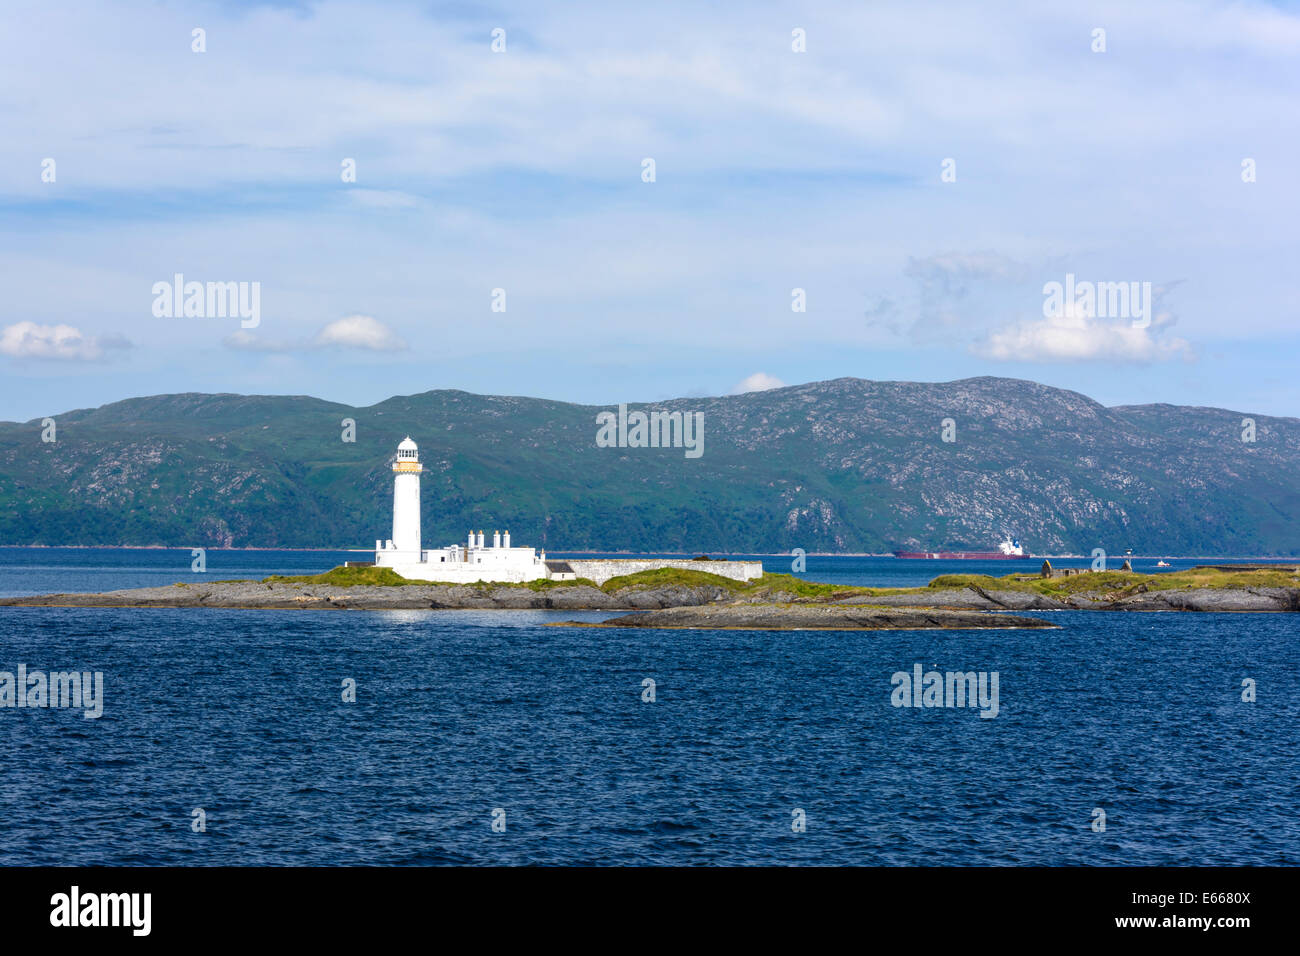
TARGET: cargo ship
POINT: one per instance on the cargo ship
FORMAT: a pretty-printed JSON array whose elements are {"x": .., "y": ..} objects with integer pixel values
[{"x": 1008, "y": 550}]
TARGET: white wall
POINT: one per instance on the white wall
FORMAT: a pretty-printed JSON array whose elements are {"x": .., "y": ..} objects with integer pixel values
[{"x": 601, "y": 570}]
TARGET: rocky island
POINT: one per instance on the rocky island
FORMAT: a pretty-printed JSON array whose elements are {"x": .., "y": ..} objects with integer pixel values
[
  {"x": 813, "y": 617},
  {"x": 671, "y": 597}
]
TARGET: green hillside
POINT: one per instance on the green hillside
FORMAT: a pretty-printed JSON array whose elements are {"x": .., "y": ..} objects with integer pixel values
[{"x": 844, "y": 465}]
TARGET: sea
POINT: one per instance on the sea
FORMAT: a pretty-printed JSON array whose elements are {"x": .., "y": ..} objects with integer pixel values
[{"x": 415, "y": 738}]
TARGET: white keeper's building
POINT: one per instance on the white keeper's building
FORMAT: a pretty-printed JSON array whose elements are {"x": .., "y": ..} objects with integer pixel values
[{"x": 477, "y": 560}]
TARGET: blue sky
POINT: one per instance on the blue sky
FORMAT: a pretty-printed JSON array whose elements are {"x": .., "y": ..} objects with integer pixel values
[{"x": 522, "y": 170}]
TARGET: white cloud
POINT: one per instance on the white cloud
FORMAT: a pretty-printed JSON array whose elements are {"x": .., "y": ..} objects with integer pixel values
[
  {"x": 352, "y": 332},
  {"x": 478, "y": 170},
  {"x": 727, "y": 89},
  {"x": 1075, "y": 337},
  {"x": 359, "y": 332},
  {"x": 29, "y": 340},
  {"x": 758, "y": 382}
]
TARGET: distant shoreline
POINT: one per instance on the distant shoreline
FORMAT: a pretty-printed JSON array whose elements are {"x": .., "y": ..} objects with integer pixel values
[{"x": 682, "y": 554}]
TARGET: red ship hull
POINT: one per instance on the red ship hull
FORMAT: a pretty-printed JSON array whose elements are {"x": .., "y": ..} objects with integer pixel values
[{"x": 962, "y": 555}]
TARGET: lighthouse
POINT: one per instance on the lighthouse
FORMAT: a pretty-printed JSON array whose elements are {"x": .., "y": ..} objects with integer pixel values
[
  {"x": 474, "y": 561},
  {"x": 483, "y": 559},
  {"x": 406, "y": 499}
]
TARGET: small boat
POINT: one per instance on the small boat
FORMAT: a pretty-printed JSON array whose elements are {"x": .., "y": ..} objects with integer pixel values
[{"x": 1162, "y": 564}]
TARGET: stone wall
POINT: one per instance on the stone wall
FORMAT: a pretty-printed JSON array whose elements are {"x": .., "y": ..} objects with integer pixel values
[{"x": 601, "y": 570}]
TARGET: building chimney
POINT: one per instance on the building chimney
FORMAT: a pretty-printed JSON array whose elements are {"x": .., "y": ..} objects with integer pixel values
[
  {"x": 506, "y": 543},
  {"x": 480, "y": 539},
  {"x": 470, "y": 545}
]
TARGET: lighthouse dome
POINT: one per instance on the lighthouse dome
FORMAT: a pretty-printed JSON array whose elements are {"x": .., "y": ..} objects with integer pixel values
[{"x": 407, "y": 448}]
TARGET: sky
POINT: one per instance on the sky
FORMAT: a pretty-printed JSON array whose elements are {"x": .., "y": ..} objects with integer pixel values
[{"x": 608, "y": 203}]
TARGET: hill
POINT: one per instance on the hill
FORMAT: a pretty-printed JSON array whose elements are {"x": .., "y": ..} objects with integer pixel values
[{"x": 843, "y": 465}]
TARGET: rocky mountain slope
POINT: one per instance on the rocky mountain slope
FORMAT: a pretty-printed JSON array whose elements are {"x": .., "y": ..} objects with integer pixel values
[{"x": 843, "y": 465}]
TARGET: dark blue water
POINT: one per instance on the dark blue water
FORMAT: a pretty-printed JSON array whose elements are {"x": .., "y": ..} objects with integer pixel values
[
  {"x": 26, "y": 571},
  {"x": 460, "y": 713}
]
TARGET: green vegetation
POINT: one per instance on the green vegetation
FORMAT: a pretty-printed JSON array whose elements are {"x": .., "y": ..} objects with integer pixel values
[
  {"x": 269, "y": 471},
  {"x": 342, "y": 577},
  {"x": 1123, "y": 583},
  {"x": 669, "y": 578},
  {"x": 766, "y": 585},
  {"x": 659, "y": 578},
  {"x": 1111, "y": 583},
  {"x": 788, "y": 584},
  {"x": 546, "y": 584},
  {"x": 1011, "y": 582}
]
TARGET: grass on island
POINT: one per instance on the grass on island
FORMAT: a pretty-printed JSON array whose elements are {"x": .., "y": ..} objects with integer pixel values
[
  {"x": 1123, "y": 583},
  {"x": 771, "y": 583},
  {"x": 346, "y": 578},
  {"x": 642, "y": 580},
  {"x": 668, "y": 578},
  {"x": 785, "y": 585},
  {"x": 342, "y": 577},
  {"x": 386, "y": 577},
  {"x": 1112, "y": 583}
]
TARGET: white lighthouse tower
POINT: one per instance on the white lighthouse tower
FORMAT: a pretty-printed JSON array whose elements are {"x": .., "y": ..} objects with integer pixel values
[{"x": 406, "y": 502}]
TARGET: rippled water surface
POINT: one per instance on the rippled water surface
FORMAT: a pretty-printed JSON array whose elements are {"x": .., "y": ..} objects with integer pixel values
[{"x": 460, "y": 713}]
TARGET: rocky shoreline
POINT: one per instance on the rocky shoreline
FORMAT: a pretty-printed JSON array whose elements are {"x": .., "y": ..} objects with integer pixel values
[
  {"x": 261, "y": 595},
  {"x": 280, "y": 595},
  {"x": 814, "y": 617},
  {"x": 1190, "y": 599}
]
